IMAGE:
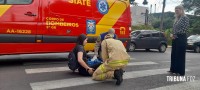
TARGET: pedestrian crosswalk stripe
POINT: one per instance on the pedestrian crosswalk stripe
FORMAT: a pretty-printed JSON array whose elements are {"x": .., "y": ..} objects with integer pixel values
[
  {"x": 181, "y": 86},
  {"x": 142, "y": 63},
  {"x": 132, "y": 58},
  {"x": 58, "y": 69},
  {"x": 44, "y": 70},
  {"x": 170, "y": 61},
  {"x": 64, "y": 83}
]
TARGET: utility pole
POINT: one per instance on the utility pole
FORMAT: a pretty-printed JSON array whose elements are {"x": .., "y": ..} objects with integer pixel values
[
  {"x": 151, "y": 9},
  {"x": 155, "y": 9},
  {"x": 146, "y": 17},
  {"x": 161, "y": 23},
  {"x": 150, "y": 16}
]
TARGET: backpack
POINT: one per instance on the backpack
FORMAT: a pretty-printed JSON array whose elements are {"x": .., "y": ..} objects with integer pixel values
[{"x": 72, "y": 61}]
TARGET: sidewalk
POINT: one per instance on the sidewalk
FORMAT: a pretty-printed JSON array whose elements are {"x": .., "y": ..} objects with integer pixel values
[{"x": 169, "y": 46}]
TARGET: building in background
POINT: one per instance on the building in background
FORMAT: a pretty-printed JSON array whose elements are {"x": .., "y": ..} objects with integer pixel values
[{"x": 139, "y": 15}]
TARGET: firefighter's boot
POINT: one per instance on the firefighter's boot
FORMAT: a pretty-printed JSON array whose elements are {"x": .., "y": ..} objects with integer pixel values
[{"x": 118, "y": 74}]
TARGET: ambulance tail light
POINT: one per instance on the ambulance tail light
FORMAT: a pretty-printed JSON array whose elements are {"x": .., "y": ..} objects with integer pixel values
[{"x": 130, "y": 29}]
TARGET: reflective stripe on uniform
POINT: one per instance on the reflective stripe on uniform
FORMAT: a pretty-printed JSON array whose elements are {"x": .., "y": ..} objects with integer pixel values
[
  {"x": 102, "y": 68},
  {"x": 102, "y": 76},
  {"x": 117, "y": 63}
]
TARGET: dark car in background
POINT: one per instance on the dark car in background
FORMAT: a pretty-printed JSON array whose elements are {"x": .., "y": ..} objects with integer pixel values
[
  {"x": 193, "y": 43},
  {"x": 147, "y": 39}
]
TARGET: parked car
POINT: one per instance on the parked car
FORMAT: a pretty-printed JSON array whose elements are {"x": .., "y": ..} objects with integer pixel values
[
  {"x": 147, "y": 39},
  {"x": 193, "y": 43}
]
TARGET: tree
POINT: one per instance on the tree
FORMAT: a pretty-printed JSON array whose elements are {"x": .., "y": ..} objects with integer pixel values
[
  {"x": 167, "y": 23},
  {"x": 194, "y": 24},
  {"x": 156, "y": 23},
  {"x": 192, "y": 5},
  {"x": 167, "y": 34},
  {"x": 196, "y": 27},
  {"x": 142, "y": 27}
]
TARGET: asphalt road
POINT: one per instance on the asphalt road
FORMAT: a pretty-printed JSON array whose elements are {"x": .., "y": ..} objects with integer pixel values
[{"x": 146, "y": 70}]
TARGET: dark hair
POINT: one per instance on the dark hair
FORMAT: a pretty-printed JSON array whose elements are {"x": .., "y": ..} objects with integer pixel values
[{"x": 81, "y": 39}]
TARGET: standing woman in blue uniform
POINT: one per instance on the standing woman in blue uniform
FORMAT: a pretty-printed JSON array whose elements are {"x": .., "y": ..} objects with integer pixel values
[{"x": 179, "y": 42}]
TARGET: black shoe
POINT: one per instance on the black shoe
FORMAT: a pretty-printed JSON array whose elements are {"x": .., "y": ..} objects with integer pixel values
[
  {"x": 170, "y": 71},
  {"x": 118, "y": 74},
  {"x": 178, "y": 74},
  {"x": 174, "y": 74}
]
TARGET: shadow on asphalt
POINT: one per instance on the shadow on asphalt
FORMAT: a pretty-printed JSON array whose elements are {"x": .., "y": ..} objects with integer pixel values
[
  {"x": 10, "y": 63},
  {"x": 18, "y": 62},
  {"x": 23, "y": 58}
]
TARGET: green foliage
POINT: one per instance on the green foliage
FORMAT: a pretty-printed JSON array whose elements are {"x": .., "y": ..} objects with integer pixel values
[
  {"x": 194, "y": 27},
  {"x": 156, "y": 23},
  {"x": 167, "y": 23},
  {"x": 192, "y": 5},
  {"x": 142, "y": 27},
  {"x": 167, "y": 34}
]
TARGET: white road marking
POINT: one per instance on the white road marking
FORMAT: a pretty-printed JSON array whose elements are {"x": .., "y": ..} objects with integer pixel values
[
  {"x": 170, "y": 61},
  {"x": 58, "y": 69},
  {"x": 44, "y": 70},
  {"x": 181, "y": 86},
  {"x": 142, "y": 63},
  {"x": 63, "y": 83},
  {"x": 133, "y": 59}
]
